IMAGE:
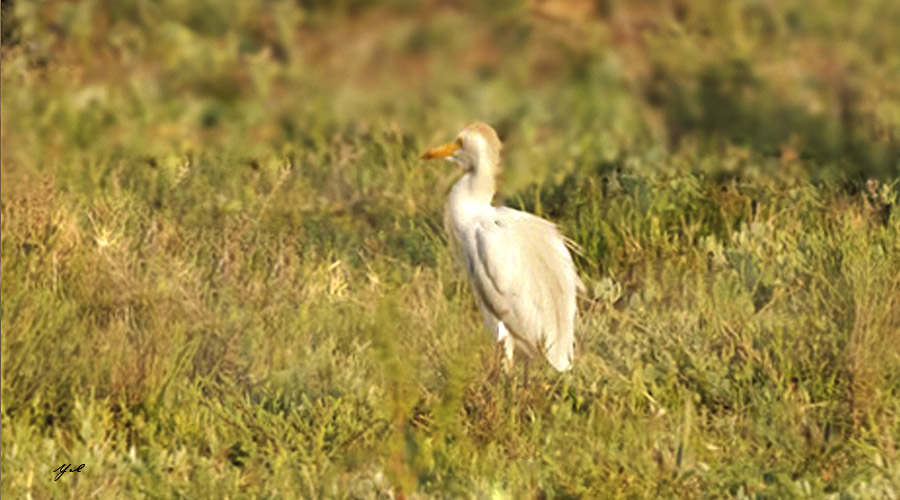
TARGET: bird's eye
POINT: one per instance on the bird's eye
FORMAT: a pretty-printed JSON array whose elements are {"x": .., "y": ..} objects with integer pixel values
[{"x": 459, "y": 141}]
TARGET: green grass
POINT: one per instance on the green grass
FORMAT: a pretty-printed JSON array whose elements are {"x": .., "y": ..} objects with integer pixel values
[{"x": 224, "y": 273}]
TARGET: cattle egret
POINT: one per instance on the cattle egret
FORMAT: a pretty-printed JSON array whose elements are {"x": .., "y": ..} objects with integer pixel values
[{"x": 519, "y": 265}]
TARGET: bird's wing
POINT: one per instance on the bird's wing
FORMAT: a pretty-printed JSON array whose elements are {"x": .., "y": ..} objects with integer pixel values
[{"x": 524, "y": 275}]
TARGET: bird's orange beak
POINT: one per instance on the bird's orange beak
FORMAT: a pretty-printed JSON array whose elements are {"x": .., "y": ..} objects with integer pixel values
[{"x": 445, "y": 151}]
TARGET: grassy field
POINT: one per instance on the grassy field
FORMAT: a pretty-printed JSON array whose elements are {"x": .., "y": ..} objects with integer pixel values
[{"x": 224, "y": 273}]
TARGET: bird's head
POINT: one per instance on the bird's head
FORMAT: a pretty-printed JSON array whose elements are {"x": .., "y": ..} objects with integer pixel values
[{"x": 477, "y": 147}]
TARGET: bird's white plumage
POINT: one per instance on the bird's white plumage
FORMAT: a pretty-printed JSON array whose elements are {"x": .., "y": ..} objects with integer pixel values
[{"x": 521, "y": 271}]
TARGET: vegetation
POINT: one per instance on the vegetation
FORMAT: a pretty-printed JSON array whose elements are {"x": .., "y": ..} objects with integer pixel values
[{"x": 224, "y": 273}]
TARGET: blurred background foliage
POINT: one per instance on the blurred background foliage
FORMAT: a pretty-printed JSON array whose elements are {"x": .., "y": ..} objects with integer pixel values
[{"x": 224, "y": 272}]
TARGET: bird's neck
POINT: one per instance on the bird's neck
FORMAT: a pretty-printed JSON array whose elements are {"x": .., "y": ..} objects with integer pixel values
[
  {"x": 469, "y": 197},
  {"x": 477, "y": 186}
]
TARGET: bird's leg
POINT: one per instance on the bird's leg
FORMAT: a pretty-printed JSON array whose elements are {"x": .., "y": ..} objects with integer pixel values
[
  {"x": 506, "y": 341},
  {"x": 527, "y": 363}
]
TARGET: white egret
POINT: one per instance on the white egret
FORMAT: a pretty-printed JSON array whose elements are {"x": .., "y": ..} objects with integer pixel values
[{"x": 519, "y": 265}]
